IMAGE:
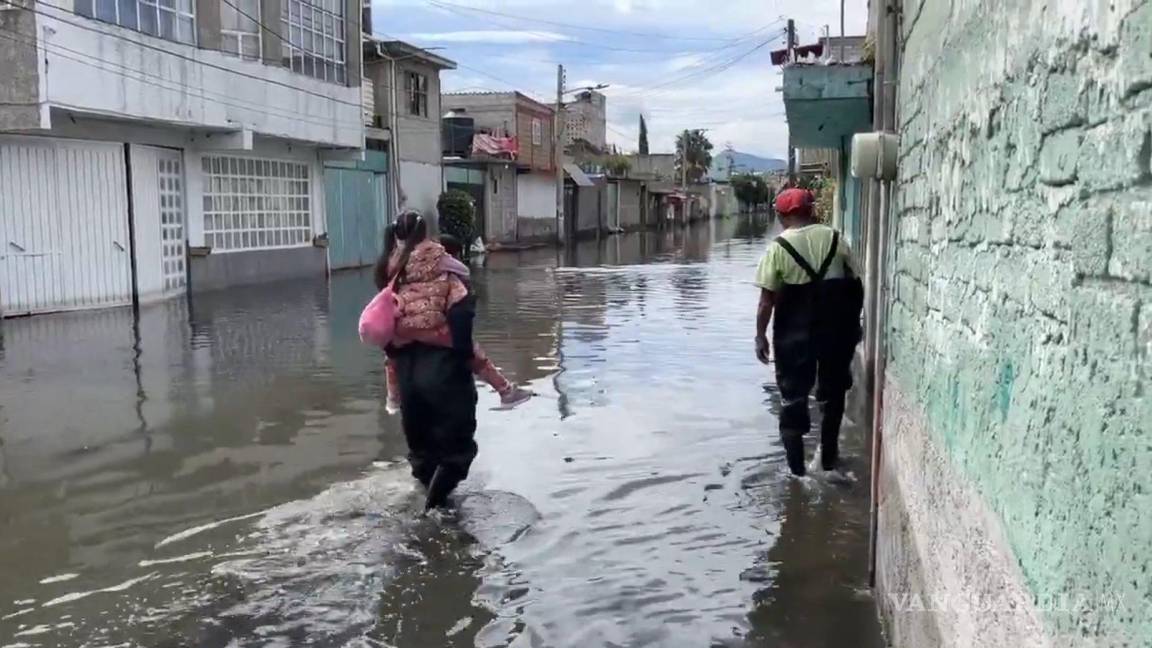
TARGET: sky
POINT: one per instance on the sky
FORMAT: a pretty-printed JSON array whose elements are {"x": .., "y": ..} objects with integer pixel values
[{"x": 681, "y": 63}]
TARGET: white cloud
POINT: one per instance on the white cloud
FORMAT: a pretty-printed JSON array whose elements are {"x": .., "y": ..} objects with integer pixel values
[
  {"x": 678, "y": 77},
  {"x": 508, "y": 37}
]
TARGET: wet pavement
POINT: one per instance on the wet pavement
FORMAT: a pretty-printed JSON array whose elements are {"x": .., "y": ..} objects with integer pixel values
[{"x": 222, "y": 472}]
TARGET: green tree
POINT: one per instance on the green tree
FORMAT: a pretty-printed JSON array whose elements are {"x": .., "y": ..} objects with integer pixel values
[
  {"x": 693, "y": 155},
  {"x": 457, "y": 215},
  {"x": 618, "y": 165},
  {"x": 752, "y": 190},
  {"x": 643, "y": 136}
]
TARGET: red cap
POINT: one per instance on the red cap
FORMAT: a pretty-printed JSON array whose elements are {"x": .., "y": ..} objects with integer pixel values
[{"x": 792, "y": 201}]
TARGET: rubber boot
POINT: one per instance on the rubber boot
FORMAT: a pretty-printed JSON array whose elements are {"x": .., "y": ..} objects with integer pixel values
[
  {"x": 833, "y": 416},
  {"x": 794, "y": 451},
  {"x": 441, "y": 485}
]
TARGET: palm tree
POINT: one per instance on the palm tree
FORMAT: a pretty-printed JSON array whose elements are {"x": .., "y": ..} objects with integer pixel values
[{"x": 693, "y": 155}]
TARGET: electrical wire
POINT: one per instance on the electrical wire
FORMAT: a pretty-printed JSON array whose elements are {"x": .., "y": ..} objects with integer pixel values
[
  {"x": 163, "y": 83},
  {"x": 140, "y": 42},
  {"x": 572, "y": 41},
  {"x": 445, "y": 5},
  {"x": 712, "y": 70}
]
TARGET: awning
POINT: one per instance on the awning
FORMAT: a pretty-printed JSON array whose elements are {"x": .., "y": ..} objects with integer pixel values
[{"x": 578, "y": 176}]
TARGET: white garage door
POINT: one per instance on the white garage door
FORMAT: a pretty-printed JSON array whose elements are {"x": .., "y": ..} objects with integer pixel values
[{"x": 64, "y": 240}]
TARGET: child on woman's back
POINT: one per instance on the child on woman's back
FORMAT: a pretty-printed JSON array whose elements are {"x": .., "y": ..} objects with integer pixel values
[{"x": 427, "y": 281}]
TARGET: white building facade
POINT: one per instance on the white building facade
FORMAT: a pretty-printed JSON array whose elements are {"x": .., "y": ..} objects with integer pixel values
[{"x": 148, "y": 149}]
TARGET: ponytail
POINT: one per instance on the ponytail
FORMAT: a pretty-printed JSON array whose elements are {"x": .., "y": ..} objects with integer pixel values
[{"x": 409, "y": 230}]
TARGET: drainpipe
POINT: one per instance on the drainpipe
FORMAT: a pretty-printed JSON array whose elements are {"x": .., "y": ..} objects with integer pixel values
[
  {"x": 393, "y": 129},
  {"x": 884, "y": 118}
]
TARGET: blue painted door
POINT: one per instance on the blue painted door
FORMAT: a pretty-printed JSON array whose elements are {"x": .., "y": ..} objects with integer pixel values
[{"x": 357, "y": 202}]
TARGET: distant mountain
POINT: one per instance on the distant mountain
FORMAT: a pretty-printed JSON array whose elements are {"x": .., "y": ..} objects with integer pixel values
[{"x": 743, "y": 163}]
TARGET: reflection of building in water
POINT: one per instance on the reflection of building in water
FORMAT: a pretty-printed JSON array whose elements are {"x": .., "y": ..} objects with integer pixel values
[
  {"x": 118, "y": 432},
  {"x": 517, "y": 315},
  {"x": 81, "y": 391}
]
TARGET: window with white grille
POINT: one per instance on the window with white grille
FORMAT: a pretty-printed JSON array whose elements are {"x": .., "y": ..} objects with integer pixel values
[
  {"x": 537, "y": 132},
  {"x": 174, "y": 20},
  {"x": 240, "y": 28},
  {"x": 315, "y": 38},
  {"x": 255, "y": 204}
]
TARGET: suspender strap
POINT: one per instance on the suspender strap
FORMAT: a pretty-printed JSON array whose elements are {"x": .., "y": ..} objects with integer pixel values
[
  {"x": 800, "y": 261},
  {"x": 803, "y": 263},
  {"x": 831, "y": 254}
]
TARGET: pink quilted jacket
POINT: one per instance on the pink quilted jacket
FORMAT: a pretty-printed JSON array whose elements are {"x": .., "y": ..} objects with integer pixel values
[{"x": 427, "y": 290}]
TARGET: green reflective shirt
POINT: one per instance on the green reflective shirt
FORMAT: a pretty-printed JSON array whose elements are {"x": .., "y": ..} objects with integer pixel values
[{"x": 812, "y": 242}]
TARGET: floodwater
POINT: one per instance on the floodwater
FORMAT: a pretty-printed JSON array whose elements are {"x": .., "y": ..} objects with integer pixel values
[{"x": 222, "y": 472}]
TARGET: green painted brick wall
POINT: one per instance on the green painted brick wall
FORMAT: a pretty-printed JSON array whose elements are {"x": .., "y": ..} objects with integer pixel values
[{"x": 1021, "y": 310}]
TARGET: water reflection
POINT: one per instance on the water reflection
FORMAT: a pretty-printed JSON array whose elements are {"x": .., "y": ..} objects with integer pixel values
[{"x": 222, "y": 471}]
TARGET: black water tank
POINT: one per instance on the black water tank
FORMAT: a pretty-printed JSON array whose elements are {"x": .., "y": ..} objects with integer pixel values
[{"x": 457, "y": 131}]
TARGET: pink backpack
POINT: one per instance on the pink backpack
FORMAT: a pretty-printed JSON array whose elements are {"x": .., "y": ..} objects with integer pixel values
[{"x": 378, "y": 321}]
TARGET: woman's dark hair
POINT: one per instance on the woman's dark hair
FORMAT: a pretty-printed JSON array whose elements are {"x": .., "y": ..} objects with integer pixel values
[
  {"x": 452, "y": 245},
  {"x": 409, "y": 230}
]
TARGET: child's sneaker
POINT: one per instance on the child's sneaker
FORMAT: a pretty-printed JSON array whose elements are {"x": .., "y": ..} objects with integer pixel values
[{"x": 514, "y": 396}]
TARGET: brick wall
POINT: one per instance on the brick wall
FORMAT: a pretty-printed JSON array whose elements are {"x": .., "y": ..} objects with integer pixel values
[
  {"x": 538, "y": 154},
  {"x": 1020, "y": 342}
]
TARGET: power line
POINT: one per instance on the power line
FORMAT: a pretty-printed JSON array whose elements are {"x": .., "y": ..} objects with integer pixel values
[
  {"x": 713, "y": 69},
  {"x": 156, "y": 48},
  {"x": 445, "y": 5},
  {"x": 575, "y": 41},
  {"x": 143, "y": 76},
  {"x": 479, "y": 71}
]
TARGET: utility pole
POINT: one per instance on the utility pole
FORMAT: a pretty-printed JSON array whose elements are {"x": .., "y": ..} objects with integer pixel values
[
  {"x": 791, "y": 59},
  {"x": 558, "y": 152},
  {"x": 842, "y": 31},
  {"x": 684, "y": 161}
]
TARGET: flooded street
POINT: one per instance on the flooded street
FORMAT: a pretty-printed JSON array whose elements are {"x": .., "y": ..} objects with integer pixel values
[{"x": 223, "y": 472}]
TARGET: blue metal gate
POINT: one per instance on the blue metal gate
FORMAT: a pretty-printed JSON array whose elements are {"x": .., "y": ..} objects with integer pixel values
[{"x": 358, "y": 206}]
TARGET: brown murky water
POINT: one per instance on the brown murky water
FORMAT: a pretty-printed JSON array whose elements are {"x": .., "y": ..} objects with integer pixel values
[{"x": 223, "y": 473}]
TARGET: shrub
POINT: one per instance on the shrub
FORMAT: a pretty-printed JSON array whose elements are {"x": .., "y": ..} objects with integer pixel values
[{"x": 457, "y": 215}]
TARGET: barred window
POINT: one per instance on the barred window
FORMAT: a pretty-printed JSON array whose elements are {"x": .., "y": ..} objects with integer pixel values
[
  {"x": 416, "y": 86},
  {"x": 174, "y": 20},
  {"x": 255, "y": 204},
  {"x": 240, "y": 28},
  {"x": 315, "y": 38}
]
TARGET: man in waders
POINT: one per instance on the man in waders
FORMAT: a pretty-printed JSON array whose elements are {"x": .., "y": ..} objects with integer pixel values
[{"x": 810, "y": 289}]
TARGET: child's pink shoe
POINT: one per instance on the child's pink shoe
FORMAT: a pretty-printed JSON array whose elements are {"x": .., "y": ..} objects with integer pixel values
[{"x": 514, "y": 396}]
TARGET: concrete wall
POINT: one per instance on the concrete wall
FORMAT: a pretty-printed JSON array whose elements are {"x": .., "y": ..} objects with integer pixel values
[
  {"x": 536, "y": 155},
  {"x": 420, "y": 136},
  {"x": 104, "y": 69},
  {"x": 20, "y": 103},
  {"x": 494, "y": 111},
  {"x": 722, "y": 201},
  {"x": 217, "y": 271},
  {"x": 629, "y": 209},
  {"x": 536, "y": 196},
  {"x": 1014, "y": 510},
  {"x": 535, "y": 230},
  {"x": 500, "y": 198},
  {"x": 421, "y": 185},
  {"x": 592, "y": 208},
  {"x": 659, "y": 166}
]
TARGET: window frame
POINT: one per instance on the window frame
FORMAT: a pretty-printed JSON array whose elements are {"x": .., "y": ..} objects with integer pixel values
[
  {"x": 314, "y": 39},
  {"x": 180, "y": 17},
  {"x": 416, "y": 91},
  {"x": 537, "y": 131},
  {"x": 241, "y": 36},
  {"x": 256, "y": 203}
]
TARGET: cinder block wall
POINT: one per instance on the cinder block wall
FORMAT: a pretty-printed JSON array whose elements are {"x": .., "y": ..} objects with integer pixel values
[{"x": 1018, "y": 397}]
